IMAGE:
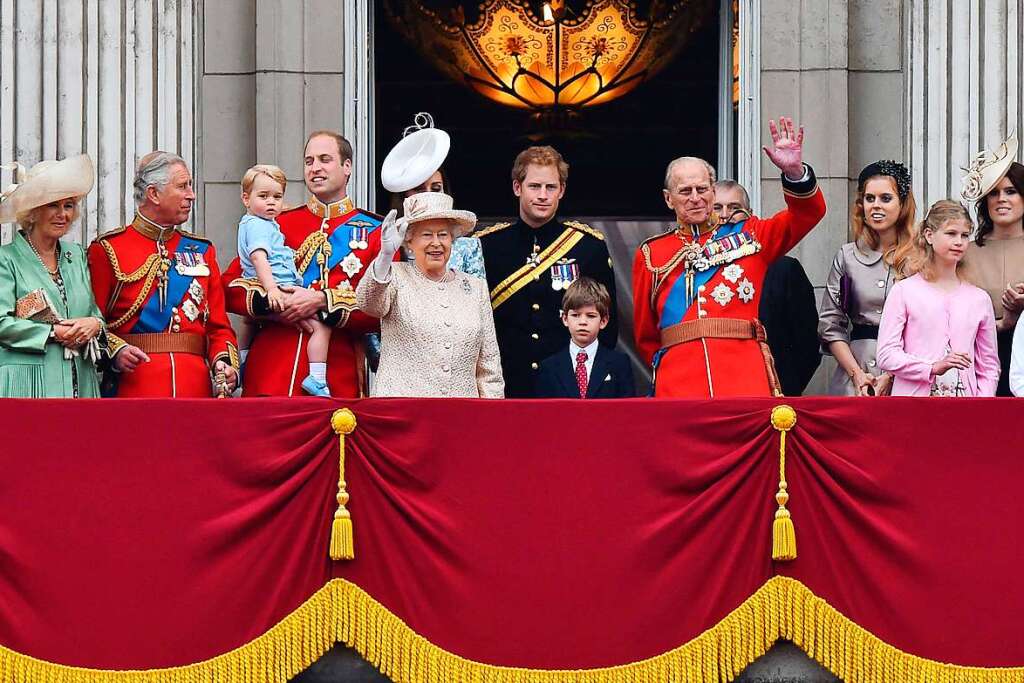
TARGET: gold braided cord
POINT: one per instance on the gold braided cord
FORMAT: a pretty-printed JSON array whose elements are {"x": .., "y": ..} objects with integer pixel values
[
  {"x": 306, "y": 252},
  {"x": 148, "y": 267},
  {"x": 343, "y": 612},
  {"x": 147, "y": 286}
]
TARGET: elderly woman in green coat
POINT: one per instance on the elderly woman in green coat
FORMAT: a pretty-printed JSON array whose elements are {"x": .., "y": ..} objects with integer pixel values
[{"x": 49, "y": 322}]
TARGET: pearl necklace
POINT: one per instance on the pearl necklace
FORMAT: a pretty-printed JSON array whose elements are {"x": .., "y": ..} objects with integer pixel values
[{"x": 56, "y": 256}]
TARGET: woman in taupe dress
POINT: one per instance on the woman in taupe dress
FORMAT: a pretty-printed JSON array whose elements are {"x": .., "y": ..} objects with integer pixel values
[{"x": 995, "y": 260}]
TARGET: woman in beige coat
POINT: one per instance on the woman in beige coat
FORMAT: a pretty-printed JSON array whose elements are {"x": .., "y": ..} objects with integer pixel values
[{"x": 437, "y": 330}]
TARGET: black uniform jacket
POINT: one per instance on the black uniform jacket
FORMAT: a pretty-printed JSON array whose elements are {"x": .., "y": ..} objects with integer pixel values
[
  {"x": 789, "y": 313},
  {"x": 611, "y": 376},
  {"x": 527, "y": 321}
]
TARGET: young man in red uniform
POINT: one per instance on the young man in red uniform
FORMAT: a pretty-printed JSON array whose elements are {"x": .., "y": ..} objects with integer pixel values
[
  {"x": 697, "y": 287},
  {"x": 334, "y": 242},
  {"x": 160, "y": 291}
]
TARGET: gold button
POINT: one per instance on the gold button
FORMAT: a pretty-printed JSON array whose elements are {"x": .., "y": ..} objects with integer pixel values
[
  {"x": 536, "y": 307},
  {"x": 535, "y": 335},
  {"x": 534, "y": 366}
]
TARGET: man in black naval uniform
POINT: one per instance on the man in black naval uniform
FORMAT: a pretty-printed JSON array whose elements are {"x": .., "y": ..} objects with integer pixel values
[{"x": 530, "y": 264}]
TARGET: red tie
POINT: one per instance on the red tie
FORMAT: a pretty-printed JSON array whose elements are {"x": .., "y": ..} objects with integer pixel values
[{"x": 581, "y": 373}]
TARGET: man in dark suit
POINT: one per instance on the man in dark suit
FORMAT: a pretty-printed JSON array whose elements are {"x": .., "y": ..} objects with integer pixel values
[
  {"x": 587, "y": 368},
  {"x": 788, "y": 309},
  {"x": 531, "y": 262}
]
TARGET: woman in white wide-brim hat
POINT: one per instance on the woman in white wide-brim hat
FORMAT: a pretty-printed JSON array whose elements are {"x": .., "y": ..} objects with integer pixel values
[
  {"x": 994, "y": 183},
  {"x": 50, "y": 325},
  {"x": 416, "y": 164},
  {"x": 437, "y": 330}
]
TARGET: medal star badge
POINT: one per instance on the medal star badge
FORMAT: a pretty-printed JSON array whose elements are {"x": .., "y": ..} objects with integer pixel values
[
  {"x": 746, "y": 290},
  {"x": 195, "y": 290},
  {"x": 732, "y": 272},
  {"x": 351, "y": 265},
  {"x": 722, "y": 294},
  {"x": 190, "y": 310}
]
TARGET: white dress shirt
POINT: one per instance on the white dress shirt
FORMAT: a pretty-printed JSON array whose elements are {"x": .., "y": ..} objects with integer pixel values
[{"x": 590, "y": 350}]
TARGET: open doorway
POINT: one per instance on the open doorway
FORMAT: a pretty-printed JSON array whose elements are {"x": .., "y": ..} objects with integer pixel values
[{"x": 617, "y": 150}]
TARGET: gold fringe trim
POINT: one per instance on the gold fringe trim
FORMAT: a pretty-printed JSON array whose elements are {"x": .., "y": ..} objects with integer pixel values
[{"x": 343, "y": 612}]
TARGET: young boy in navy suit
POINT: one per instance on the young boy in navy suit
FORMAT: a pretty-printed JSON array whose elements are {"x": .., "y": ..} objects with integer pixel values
[{"x": 585, "y": 369}]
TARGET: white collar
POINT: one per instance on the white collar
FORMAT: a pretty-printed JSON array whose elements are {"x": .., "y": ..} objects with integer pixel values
[{"x": 590, "y": 350}]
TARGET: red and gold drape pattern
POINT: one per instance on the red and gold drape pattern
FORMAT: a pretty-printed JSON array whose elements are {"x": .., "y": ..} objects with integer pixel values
[{"x": 509, "y": 540}]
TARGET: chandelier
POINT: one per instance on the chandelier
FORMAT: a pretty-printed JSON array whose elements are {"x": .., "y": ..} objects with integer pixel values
[{"x": 553, "y": 58}]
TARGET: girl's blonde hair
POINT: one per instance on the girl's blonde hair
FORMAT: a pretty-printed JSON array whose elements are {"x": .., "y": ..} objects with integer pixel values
[
  {"x": 269, "y": 170},
  {"x": 922, "y": 257}
]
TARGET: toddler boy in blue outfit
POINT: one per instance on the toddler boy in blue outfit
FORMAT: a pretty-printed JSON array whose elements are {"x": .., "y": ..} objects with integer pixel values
[{"x": 264, "y": 256}]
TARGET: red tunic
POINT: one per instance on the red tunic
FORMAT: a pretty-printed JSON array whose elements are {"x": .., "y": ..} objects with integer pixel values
[
  {"x": 709, "y": 367},
  {"x": 124, "y": 265},
  {"x": 277, "y": 361}
]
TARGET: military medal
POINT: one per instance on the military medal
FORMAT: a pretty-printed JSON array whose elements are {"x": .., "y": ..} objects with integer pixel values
[
  {"x": 534, "y": 258},
  {"x": 564, "y": 273},
  {"x": 190, "y": 310},
  {"x": 191, "y": 263},
  {"x": 351, "y": 264},
  {"x": 359, "y": 238},
  {"x": 195, "y": 290}
]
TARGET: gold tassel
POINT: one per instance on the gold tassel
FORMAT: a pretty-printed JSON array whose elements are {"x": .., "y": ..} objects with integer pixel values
[
  {"x": 342, "y": 547},
  {"x": 783, "y": 531}
]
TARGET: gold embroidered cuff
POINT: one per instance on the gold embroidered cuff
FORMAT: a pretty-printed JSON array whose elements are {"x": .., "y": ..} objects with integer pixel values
[
  {"x": 114, "y": 344},
  {"x": 340, "y": 299}
]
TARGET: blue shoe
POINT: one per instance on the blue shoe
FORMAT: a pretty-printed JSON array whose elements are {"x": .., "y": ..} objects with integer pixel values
[{"x": 315, "y": 387}]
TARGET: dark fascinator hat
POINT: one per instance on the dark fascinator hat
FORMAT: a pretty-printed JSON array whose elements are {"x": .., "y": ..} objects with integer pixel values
[{"x": 887, "y": 167}]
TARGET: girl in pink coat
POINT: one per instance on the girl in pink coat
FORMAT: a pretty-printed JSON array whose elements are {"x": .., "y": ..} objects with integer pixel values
[{"x": 938, "y": 336}]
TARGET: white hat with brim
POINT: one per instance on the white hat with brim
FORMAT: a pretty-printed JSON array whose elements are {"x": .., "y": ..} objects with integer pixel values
[
  {"x": 987, "y": 169},
  {"x": 427, "y": 206},
  {"x": 414, "y": 159},
  {"x": 46, "y": 182}
]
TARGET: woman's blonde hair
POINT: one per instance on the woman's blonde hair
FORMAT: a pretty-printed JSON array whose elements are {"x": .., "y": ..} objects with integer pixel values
[
  {"x": 922, "y": 257},
  {"x": 897, "y": 255},
  {"x": 269, "y": 170},
  {"x": 27, "y": 219}
]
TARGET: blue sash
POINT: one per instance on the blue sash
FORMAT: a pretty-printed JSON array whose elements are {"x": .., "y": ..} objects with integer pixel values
[
  {"x": 152, "y": 319},
  {"x": 678, "y": 303},
  {"x": 339, "y": 240}
]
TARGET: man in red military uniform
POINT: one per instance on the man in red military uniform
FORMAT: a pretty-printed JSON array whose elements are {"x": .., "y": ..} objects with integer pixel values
[
  {"x": 160, "y": 291},
  {"x": 333, "y": 242},
  {"x": 697, "y": 287}
]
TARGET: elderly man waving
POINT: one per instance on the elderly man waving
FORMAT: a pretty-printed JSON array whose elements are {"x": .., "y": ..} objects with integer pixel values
[
  {"x": 160, "y": 290},
  {"x": 697, "y": 287}
]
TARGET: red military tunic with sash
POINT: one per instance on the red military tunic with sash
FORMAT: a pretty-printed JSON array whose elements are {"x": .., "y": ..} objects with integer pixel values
[
  {"x": 160, "y": 289},
  {"x": 333, "y": 244},
  {"x": 696, "y": 294}
]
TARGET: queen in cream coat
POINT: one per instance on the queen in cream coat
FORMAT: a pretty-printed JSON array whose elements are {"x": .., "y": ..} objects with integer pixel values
[{"x": 437, "y": 330}]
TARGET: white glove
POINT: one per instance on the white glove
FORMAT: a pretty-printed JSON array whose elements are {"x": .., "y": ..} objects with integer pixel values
[{"x": 392, "y": 235}]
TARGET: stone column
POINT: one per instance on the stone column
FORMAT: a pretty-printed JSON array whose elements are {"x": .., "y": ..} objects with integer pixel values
[{"x": 272, "y": 73}]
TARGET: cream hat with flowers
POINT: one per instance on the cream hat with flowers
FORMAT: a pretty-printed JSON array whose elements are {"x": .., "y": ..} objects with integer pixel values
[
  {"x": 47, "y": 181},
  {"x": 987, "y": 169},
  {"x": 427, "y": 206}
]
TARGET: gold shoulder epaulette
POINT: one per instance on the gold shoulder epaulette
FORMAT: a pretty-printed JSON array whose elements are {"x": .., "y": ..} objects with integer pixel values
[
  {"x": 583, "y": 227},
  {"x": 490, "y": 229},
  {"x": 112, "y": 232},
  {"x": 658, "y": 236},
  {"x": 192, "y": 235}
]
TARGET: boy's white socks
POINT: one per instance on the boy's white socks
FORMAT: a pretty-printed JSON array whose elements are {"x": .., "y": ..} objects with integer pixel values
[{"x": 318, "y": 371}]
